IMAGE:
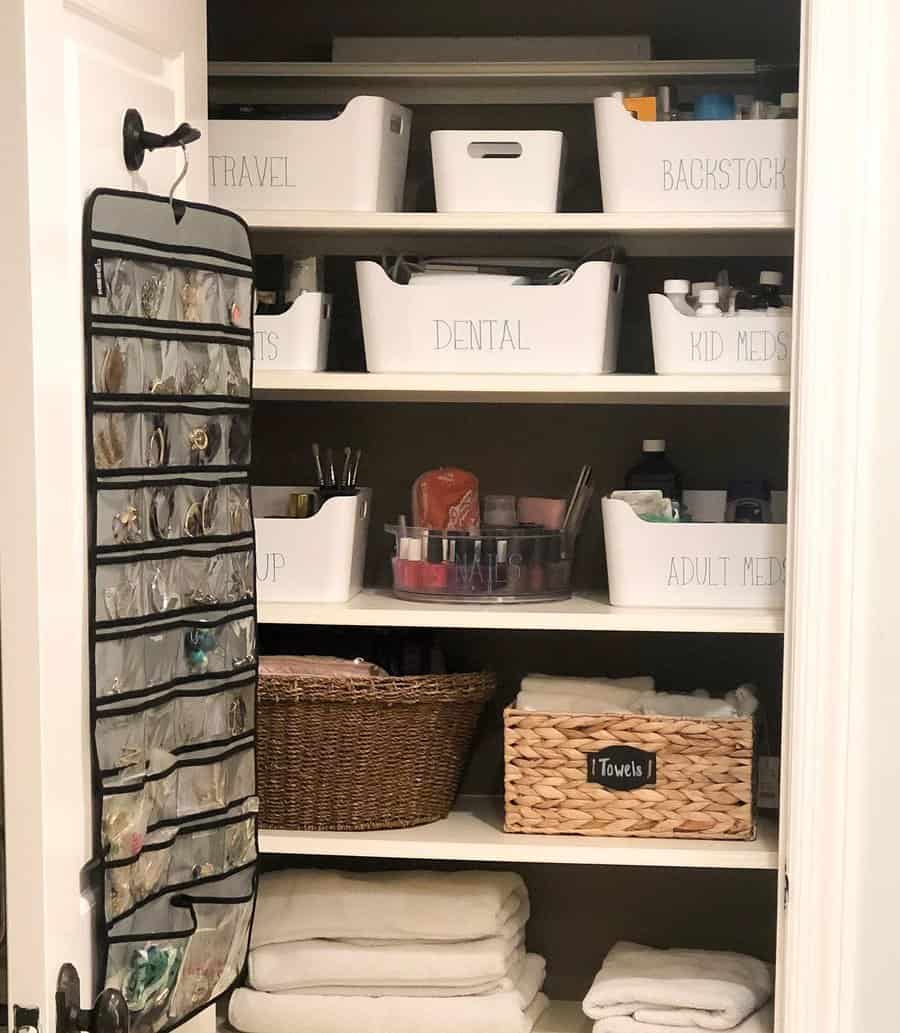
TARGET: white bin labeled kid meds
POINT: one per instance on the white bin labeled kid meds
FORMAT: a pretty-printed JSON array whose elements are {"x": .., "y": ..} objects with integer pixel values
[
  {"x": 704, "y": 166},
  {"x": 743, "y": 342}
]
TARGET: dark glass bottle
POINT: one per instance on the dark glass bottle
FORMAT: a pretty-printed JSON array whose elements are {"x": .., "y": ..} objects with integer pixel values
[{"x": 654, "y": 472}]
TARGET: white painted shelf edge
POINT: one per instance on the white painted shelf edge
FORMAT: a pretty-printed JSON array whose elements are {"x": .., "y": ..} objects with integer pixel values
[
  {"x": 750, "y": 389},
  {"x": 474, "y": 832},
  {"x": 522, "y": 222},
  {"x": 375, "y": 607}
]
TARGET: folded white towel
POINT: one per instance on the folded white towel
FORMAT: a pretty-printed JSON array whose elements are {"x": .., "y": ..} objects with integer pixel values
[
  {"x": 388, "y": 967},
  {"x": 705, "y": 989},
  {"x": 762, "y": 1021},
  {"x": 676, "y": 704},
  {"x": 306, "y": 904},
  {"x": 555, "y": 695},
  {"x": 512, "y": 1011}
]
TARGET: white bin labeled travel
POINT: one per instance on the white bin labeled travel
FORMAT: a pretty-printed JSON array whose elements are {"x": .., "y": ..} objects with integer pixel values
[
  {"x": 355, "y": 161},
  {"x": 319, "y": 559},
  {"x": 569, "y": 327},
  {"x": 693, "y": 564},
  {"x": 703, "y": 166},
  {"x": 497, "y": 171},
  {"x": 746, "y": 342},
  {"x": 296, "y": 339}
]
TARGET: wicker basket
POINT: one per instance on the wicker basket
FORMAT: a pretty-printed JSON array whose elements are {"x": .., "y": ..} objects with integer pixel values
[
  {"x": 687, "y": 778},
  {"x": 349, "y": 755}
]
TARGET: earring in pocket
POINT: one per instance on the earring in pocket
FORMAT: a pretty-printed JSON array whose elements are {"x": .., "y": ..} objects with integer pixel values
[
  {"x": 158, "y": 444},
  {"x": 239, "y": 512},
  {"x": 236, "y": 380},
  {"x": 239, "y": 577},
  {"x": 161, "y": 599},
  {"x": 240, "y": 843},
  {"x": 192, "y": 297},
  {"x": 109, "y": 442},
  {"x": 162, "y": 512},
  {"x": 126, "y": 524},
  {"x": 120, "y": 289},
  {"x": 204, "y": 443},
  {"x": 205, "y": 576},
  {"x": 152, "y": 292},
  {"x": 198, "y": 644},
  {"x": 121, "y": 600},
  {"x": 151, "y": 976},
  {"x": 112, "y": 372}
]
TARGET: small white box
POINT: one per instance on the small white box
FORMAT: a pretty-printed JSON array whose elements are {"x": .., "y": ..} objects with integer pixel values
[
  {"x": 497, "y": 171},
  {"x": 715, "y": 166},
  {"x": 571, "y": 327},
  {"x": 745, "y": 342},
  {"x": 353, "y": 162},
  {"x": 319, "y": 559},
  {"x": 295, "y": 340},
  {"x": 718, "y": 565}
]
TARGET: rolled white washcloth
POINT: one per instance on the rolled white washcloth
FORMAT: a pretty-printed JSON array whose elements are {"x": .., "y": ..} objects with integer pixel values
[
  {"x": 558, "y": 695},
  {"x": 762, "y": 1021},
  {"x": 707, "y": 990},
  {"x": 307, "y": 904},
  {"x": 513, "y": 1011},
  {"x": 388, "y": 967}
]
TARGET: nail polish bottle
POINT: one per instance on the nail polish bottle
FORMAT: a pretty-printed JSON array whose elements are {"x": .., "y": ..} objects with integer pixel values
[
  {"x": 557, "y": 569},
  {"x": 518, "y": 557},
  {"x": 464, "y": 565},
  {"x": 536, "y": 565},
  {"x": 435, "y": 572}
]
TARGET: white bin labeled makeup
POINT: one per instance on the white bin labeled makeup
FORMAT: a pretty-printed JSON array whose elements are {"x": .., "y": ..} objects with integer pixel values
[
  {"x": 295, "y": 340},
  {"x": 694, "y": 166},
  {"x": 497, "y": 171},
  {"x": 693, "y": 564},
  {"x": 318, "y": 559},
  {"x": 743, "y": 342},
  {"x": 355, "y": 161},
  {"x": 569, "y": 327}
]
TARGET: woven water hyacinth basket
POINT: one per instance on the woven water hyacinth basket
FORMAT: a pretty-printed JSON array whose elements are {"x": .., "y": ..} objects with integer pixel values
[
  {"x": 629, "y": 775},
  {"x": 349, "y": 755}
]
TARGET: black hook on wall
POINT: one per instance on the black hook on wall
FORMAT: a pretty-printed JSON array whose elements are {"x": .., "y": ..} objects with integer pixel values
[{"x": 136, "y": 140}]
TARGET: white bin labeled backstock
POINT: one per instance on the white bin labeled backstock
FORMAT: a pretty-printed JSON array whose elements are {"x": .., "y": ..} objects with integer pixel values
[
  {"x": 570, "y": 327},
  {"x": 320, "y": 559},
  {"x": 704, "y": 166},
  {"x": 296, "y": 339},
  {"x": 491, "y": 171},
  {"x": 692, "y": 564},
  {"x": 746, "y": 342},
  {"x": 355, "y": 161}
]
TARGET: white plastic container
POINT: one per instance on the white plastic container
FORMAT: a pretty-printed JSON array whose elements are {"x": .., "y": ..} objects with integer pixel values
[
  {"x": 353, "y": 162},
  {"x": 733, "y": 566},
  {"x": 317, "y": 560},
  {"x": 746, "y": 342},
  {"x": 295, "y": 340},
  {"x": 570, "y": 327},
  {"x": 491, "y": 171},
  {"x": 715, "y": 166}
]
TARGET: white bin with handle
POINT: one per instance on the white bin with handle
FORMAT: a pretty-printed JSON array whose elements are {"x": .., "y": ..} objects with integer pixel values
[{"x": 295, "y": 340}]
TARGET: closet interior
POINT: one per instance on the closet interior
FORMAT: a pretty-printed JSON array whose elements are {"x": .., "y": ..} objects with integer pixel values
[{"x": 527, "y": 434}]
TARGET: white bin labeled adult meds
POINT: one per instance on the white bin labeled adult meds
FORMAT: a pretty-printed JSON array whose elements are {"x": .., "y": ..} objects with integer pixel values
[
  {"x": 295, "y": 340},
  {"x": 480, "y": 327},
  {"x": 703, "y": 166},
  {"x": 355, "y": 161},
  {"x": 497, "y": 171},
  {"x": 319, "y": 559},
  {"x": 736, "y": 343},
  {"x": 693, "y": 564}
]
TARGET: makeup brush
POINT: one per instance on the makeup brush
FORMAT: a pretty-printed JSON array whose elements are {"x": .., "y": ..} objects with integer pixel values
[{"x": 318, "y": 461}]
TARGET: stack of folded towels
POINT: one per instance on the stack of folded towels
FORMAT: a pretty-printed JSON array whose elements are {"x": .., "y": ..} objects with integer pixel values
[
  {"x": 644, "y": 990},
  {"x": 390, "y": 952},
  {"x": 552, "y": 694}
]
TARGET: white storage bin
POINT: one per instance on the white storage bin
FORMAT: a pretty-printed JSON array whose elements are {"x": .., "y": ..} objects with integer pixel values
[
  {"x": 716, "y": 166},
  {"x": 316, "y": 560},
  {"x": 490, "y": 171},
  {"x": 354, "y": 162},
  {"x": 570, "y": 327},
  {"x": 747, "y": 342},
  {"x": 715, "y": 565},
  {"x": 295, "y": 340}
]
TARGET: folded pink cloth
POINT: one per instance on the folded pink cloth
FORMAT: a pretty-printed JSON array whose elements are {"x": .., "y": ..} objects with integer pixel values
[{"x": 317, "y": 667}]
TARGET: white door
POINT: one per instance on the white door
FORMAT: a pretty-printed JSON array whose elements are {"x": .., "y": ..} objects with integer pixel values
[{"x": 70, "y": 69}]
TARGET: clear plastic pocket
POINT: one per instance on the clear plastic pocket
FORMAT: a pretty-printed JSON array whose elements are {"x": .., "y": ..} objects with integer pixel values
[
  {"x": 160, "y": 367},
  {"x": 121, "y": 516},
  {"x": 163, "y": 579},
  {"x": 200, "y": 440},
  {"x": 225, "y": 715},
  {"x": 240, "y": 775},
  {"x": 201, "y": 788},
  {"x": 239, "y": 440},
  {"x": 130, "y": 884},
  {"x": 201, "y": 369},
  {"x": 239, "y": 640},
  {"x": 239, "y": 945},
  {"x": 119, "y": 666},
  {"x": 240, "y": 843},
  {"x": 124, "y": 822},
  {"x": 117, "y": 440},
  {"x": 206, "y": 956},
  {"x": 146, "y": 972},
  {"x": 240, "y": 576},
  {"x": 121, "y": 741},
  {"x": 120, "y": 593},
  {"x": 203, "y": 579},
  {"x": 239, "y": 518},
  {"x": 162, "y": 514},
  {"x": 198, "y": 855},
  {"x": 117, "y": 365},
  {"x": 236, "y": 370},
  {"x": 205, "y": 296}
]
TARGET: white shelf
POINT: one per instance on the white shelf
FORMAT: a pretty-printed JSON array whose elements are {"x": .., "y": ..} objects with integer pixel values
[
  {"x": 378, "y": 608},
  {"x": 507, "y": 233},
  {"x": 614, "y": 388},
  {"x": 474, "y": 832},
  {"x": 452, "y": 82}
]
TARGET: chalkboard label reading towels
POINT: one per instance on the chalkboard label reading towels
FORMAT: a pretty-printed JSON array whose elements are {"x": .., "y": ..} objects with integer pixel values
[{"x": 621, "y": 767}]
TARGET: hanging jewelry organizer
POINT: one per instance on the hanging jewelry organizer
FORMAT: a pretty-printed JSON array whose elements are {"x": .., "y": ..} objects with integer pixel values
[{"x": 168, "y": 334}]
